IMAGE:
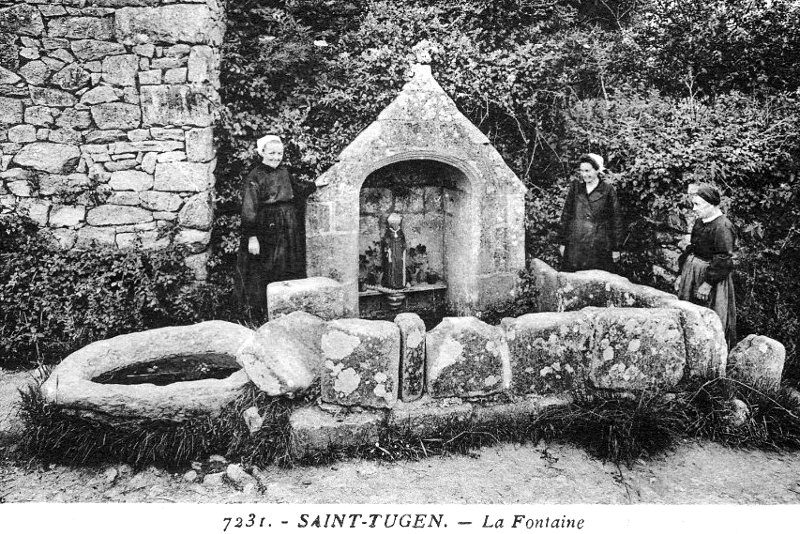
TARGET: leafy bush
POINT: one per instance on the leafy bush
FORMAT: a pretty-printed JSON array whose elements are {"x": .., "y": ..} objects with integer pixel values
[
  {"x": 53, "y": 302},
  {"x": 669, "y": 92}
]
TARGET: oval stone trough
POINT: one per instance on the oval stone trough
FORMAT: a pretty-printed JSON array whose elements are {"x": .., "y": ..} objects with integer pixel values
[{"x": 71, "y": 383}]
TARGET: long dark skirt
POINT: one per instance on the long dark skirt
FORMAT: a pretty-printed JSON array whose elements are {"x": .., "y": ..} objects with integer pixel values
[
  {"x": 721, "y": 299},
  {"x": 280, "y": 257},
  {"x": 581, "y": 256}
]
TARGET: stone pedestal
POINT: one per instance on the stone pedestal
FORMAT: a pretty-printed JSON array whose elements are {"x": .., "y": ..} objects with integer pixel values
[{"x": 319, "y": 296}]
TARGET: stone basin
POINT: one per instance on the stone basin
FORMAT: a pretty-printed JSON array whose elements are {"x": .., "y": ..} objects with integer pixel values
[{"x": 74, "y": 383}]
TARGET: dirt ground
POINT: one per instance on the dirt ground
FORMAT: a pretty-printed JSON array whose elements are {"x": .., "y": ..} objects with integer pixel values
[{"x": 695, "y": 473}]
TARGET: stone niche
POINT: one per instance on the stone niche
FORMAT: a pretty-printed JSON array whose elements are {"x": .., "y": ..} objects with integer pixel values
[{"x": 423, "y": 159}]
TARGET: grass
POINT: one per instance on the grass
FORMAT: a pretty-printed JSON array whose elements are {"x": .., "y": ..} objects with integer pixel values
[{"x": 618, "y": 429}]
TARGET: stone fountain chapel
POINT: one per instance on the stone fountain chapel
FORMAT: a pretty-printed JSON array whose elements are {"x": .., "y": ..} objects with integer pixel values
[{"x": 425, "y": 161}]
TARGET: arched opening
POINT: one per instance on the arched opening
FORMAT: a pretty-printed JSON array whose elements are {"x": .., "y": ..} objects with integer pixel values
[{"x": 431, "y": 198}]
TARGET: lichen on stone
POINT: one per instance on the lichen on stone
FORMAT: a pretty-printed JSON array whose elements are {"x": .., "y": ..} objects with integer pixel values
[
  {"x": 338, "y": 345},
  {"x": 450, "y": 353},
  {"x": 414, "y": 339},
  {"x": 347, "y": 382}
]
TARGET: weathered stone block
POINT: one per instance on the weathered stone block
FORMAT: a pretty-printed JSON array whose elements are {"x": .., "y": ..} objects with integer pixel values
[
  {"x": 466, "y": 357},
  {"x": 520, "y": 411},
  {"x": 116, "y": 115},
  {"x": 178, "y": 105},
  {"x": 706, "y": 349},
  {"x": 10, "y": 110},
  {"x": 35, "y": 72},
  {"x": 412, "y": 355},
  {"x": 72, "y": 118},
  {"x": 549, "y": 352},
  {"x": 21, "y": 19},
  {"x": 50, "y": 184},
  {"x": 37, "y": 210},
  {"x": 184, "y": 176},
  {"x": 49, "y": 157},
  {"x": 81, "y": 28},
  {"x": 121, "y": 165},
  {"x": 71, "y": 78},
  {"x": 169, "y": 157},
  {"x": 196, "y": 240},
  {"x": 20, "y": 188},
  {"x": 22, "y": 133},
  {"x": 428, "y": 417},
  {"x": 108, "y": 215},
  {"x": 168, "y": 24},
  {"x": 197, "y": 212},
  {"x": 637, "y": 348},
  {"x": 121, "y": 70},
  {"x": 145, "y": 146},
  {"x": 361, "y": 363},
  {"x": 758, "y": 361},
  {"x": 200, "y": 144},
  {"x": 91, "y": 49},
  {"x": 102, "y": 136},
  {"x": 64, "y": 237},
  {"x": 67, "y": 216},
  {"x": 89, "y": 236},
  {"x": 8, "y": 77},
  {"x": 131, "y": 180},
  {"x": 66, "y": 136},
  {"x": 284, "y": 357},
  {"x": 160, "y": 201},
  {"x": 150, "y": 77},
  {"x": 167, "y": 134},
  {"x": 99, "y": 95},
  {"x": 201, "y": 59},
  {"x": 175, "y": 75},
  {"x": 125, "y": 198},
  {"x": 600, "y": 288},
  {"x": 314, "y": 431},
  {"x": 320, "y": 296}
]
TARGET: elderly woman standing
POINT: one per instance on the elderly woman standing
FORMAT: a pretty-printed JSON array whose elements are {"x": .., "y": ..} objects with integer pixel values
[
  {"x": 707, "y": 263},
  {"x": 591, "y": 223},
  {"x": 271, "y": 245}
]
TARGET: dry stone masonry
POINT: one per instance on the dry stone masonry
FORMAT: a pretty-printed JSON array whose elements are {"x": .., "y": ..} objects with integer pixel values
[
  {"x": 106, "y": 111},
  {"x": 379, "y": 375}
]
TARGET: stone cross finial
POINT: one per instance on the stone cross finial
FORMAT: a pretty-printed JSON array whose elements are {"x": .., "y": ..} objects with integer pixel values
[{"x": 423, "y": 52}]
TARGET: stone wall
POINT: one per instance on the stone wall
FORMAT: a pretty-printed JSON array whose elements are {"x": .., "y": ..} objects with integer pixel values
[{"x": 106, "y": 111}]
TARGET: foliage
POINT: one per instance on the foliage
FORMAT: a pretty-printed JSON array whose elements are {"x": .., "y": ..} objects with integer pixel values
[
  {"x": 669, "y": 92},
  {"x": 53, "y": 302}
]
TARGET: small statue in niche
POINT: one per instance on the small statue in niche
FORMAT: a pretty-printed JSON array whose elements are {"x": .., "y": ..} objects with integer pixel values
[{"x": 393, "y": 248}]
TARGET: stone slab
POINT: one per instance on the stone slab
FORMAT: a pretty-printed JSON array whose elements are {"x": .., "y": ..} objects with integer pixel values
[
  {"x": 427, "y": 417},
  {"x": 412, "y": 355},
  {"x": 758, "y": 361},
  {"x": 314, "y": 431},
  {"x": 182, "y": 23},
  {"x": 549, "y": 352},
  {"x": 361, "y": 362},
  {"x": 637, "y": 348},
  {"x": 54, "y": 158},
  {"x": 321, "y": 296},
  {"x": 183, "y": 176},
  {"x": 466, "y": 357},
  {"x": 706, "y": 348},
  {"x": 284, "y": 357}
]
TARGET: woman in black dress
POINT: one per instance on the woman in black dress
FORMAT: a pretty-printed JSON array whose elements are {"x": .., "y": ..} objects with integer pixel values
[
  {"x": 591, "y": 223},
  {"x": 272, "y": 245},
  {"x": 707, "y": 263}
]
